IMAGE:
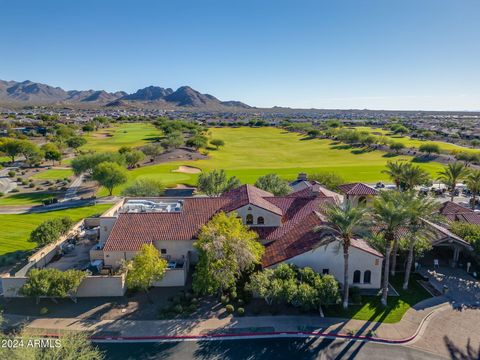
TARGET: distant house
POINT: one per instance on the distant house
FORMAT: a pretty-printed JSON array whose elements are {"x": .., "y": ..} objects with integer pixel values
[
  {"x": 455, "y": 212},
  {"x": 357, "y": 193},
  {"x": 285, "y": 225}
]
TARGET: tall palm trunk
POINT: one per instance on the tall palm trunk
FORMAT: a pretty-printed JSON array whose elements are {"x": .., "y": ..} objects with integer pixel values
[
  {"x": 474, "y": 199},
  {"x": 394, "y": 257},
  {"x": 388, "y": 249},
  {"x": 408, "y": 268},
  {"x": 345, "y": 277},
  {"x": 452, "y": 195}
]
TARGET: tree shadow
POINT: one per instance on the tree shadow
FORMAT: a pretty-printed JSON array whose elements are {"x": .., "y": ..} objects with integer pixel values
[
  {"x": 390, "y": 155},
  {"x": 259, "y": 349},
  {"x": 139, "y": 351},
  {"x": 152, "y": 138},
  {"x": 459, "y": 353},
  {"x": 422, "y": 159},
  {"x": 363, "y": 150},
  {"x": 368, "y": 329},
  {"x": 341, "y": 147}
]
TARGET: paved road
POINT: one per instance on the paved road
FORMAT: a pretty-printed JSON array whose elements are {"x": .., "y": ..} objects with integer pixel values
[
  {"x": 6, "y": 184},
  {"x": 452, "y": 333},
  {"x": 264, "y": 349},
  {"x": 71, "y": 193}
]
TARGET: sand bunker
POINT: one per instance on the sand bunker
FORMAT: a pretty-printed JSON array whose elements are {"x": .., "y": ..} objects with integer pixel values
[
  {"x": 101, "y": 135},
  {"x": 187, "y": 170}
]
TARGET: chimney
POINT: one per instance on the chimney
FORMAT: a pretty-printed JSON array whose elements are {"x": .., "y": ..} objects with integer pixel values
[{"x": 302, "y": 176}]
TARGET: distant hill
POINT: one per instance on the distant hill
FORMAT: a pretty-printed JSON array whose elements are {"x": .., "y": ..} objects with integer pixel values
[{"x": 32, "y": 93}]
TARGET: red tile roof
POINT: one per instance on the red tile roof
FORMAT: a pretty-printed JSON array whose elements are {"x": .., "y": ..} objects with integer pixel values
[
  {"x": 295, "y": 235},
  {"x": 357, "y": 189},
  {"x": 131, "y": 230},
  {"x": 455, "y": 212},
  {"x": 248, "y": 194},
  {"x": 302, "y": 238}
]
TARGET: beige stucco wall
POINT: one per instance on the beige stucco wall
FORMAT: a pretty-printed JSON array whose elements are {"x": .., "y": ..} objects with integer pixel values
[
  {"x": 271, "y": 219},
  {"x": 106, "y": 226},
  {"x": 176, "y": 249},
  {"x": 91, "y": 286},
  {"x": 172, "y": 277},
  {"x": 11, "y": 285},
  {"x": 96, "y": 286},
  {"x": 115, "y": 258},
  {"x": 331, "y": 257},
  {"x": 354, "y": 200}
]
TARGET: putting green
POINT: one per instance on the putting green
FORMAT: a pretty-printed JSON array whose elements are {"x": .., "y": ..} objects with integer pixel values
[
  {"x": 251, "y": 152},
  {"x": 125, "y": 134}
]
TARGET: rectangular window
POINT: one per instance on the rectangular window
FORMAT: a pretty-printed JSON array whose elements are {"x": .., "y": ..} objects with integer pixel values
[
  {"x": 325, "y": 271},
  {"x": 163, "y": 251}
]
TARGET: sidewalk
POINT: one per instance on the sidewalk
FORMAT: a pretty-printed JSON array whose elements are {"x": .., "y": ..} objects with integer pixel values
[{"x": 400, "y": 332}]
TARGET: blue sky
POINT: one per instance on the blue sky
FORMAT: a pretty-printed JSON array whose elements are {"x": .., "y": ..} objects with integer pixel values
[{"x": 377, "y": 54}]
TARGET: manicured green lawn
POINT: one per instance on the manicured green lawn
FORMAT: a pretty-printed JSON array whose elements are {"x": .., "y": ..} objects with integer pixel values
[
  {"x": 17, "y": 228},
  {"x": 249, "y": 153},
  {"x": 32, "y": 198},
  {"x": 372, "y": 310},
  {"x": 126, "y": 134},
  {"x": 415, "y": 143},
  {"x": 53, "y": 174}
]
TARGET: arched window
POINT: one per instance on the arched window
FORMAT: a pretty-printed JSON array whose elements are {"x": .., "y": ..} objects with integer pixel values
[
  {"x": 356, "y": 276},
  {"x": 367, "y": 275},
  {"x": 260, "y": 220},
  {"x": 249, "y": 219}
]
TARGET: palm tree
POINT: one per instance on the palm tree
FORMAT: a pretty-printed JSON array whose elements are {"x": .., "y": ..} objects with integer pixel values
[
  {"x": 418, "y": 210},
  {"x": 395, "y": 172},
  {"x": 344, "y": 222},
  {"x": 451, "y": 174},
  {"x": 389, "y": 215},
  {"x": 473, "y": 182},
  {"x": 413, "y": 175}
]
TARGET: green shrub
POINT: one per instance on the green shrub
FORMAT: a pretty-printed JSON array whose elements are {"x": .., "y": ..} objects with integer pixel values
[
  {"x": 224, "y": 300},
  {"x": 11, "y": 173},
  {"x": 19, "y": 179},
  {"x": 14, "y": 190},
  {"x": 176, "y": 300},
  {"x": 31, "y": 185},
  {"x": 43, "y": 311},
  {"x": 230, "y": 309},
  {"x": 233, "y": 294},
  {"x": 355, "y": 296},
  {"x": 240, "y": 311},
  {"x": 24, "y": 182},
  {"x": 194, "y": 300},
  {"x": 1, "y": 194},
  {"x": 178, "y": 308},
  {"x": 240, "y": 302},
  {"x": 192, "y": 308}
]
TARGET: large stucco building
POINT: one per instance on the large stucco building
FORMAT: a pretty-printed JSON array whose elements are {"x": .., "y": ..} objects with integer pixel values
[{"x": 284, "y": 224}]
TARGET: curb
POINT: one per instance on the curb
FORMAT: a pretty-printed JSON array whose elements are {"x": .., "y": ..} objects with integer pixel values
[{"x": 263, "y": 335}]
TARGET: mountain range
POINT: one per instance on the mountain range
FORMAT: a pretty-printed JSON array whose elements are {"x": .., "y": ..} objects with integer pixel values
[{"x": 33, "y": 93}]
